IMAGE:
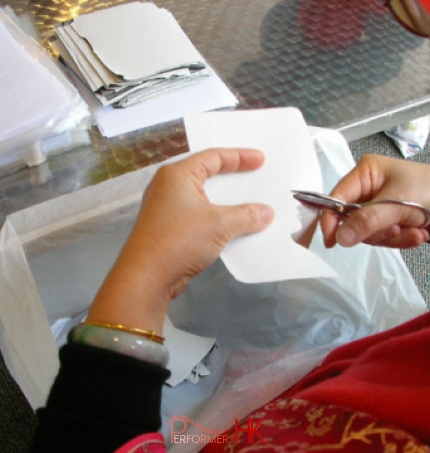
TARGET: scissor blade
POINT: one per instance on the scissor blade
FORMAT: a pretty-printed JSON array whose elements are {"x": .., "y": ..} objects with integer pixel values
[
  {"x": 320, "y": 201},
  {"x": 313, "y": 200}
]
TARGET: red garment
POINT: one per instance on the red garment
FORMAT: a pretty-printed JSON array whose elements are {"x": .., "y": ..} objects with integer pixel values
[
  {"x": 381, "y": 382},
  {"x": 426, "y": 4},
  {"x": 386, "y": 375}
]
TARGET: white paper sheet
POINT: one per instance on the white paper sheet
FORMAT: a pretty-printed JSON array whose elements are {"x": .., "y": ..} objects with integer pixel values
[
  {"x": 186, "y": 350},
  {"x": 291, "y": 163}
]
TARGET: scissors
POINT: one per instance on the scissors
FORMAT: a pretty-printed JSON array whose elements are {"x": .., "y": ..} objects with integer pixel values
[{"x": 320, "y": 201}]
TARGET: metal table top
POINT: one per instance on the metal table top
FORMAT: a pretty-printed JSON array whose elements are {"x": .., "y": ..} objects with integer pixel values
[{"x": 347, "y": 65}]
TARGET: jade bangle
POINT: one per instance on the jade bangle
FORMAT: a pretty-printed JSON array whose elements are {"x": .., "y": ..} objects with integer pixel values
[{"x": 119, "y": 341}]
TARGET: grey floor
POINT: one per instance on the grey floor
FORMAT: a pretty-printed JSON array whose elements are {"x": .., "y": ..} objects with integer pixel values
[{"x": 17, "y": 422}]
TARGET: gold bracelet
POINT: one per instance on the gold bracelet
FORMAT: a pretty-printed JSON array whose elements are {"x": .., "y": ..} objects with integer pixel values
[{"x": 149, "y": 334}]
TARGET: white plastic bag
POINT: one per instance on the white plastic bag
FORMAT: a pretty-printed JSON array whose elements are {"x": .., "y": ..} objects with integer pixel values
[{"x": 41, "y": 111}]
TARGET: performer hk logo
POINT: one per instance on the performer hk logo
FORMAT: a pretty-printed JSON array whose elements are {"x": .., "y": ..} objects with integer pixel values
[{"x": 179, "y": 425}]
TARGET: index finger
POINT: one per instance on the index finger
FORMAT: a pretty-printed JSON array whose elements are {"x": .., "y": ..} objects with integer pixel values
[{"x": 206, "y": 164}]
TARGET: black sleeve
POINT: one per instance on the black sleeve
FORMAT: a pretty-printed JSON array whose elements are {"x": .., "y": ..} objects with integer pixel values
[{"x": 99, "y": 400}]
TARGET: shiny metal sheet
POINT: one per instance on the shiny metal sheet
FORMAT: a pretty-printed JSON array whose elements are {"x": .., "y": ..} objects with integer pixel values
[{"x": 346, "y": 65}]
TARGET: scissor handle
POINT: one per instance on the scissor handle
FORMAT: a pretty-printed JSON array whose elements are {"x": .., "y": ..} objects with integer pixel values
[{"x": 412, "y": 204}]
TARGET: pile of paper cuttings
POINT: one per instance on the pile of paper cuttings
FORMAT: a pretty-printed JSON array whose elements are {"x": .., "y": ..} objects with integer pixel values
[{"x": 129, "y": 53}]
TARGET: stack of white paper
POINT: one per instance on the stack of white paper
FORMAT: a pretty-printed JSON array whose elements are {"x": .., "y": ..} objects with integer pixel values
[{"x": 130, "y": 52}]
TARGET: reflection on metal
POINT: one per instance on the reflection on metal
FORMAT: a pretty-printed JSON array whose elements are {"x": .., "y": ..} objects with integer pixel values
[
  {"x": 384, "y": 120},
  {"x": 347, "y": 65}
]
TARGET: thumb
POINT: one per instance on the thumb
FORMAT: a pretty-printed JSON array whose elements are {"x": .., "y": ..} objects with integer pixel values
[
  {"x": 377, "y": 221},
  {"x": 246, "y": 219},
  {"x": 366, "y": 222}
]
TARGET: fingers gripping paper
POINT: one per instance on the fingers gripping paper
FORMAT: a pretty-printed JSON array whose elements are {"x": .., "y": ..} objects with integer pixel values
[{"x": 291, "y": 163}]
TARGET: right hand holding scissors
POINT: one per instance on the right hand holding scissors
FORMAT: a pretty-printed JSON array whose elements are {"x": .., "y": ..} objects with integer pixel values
[{"x": 389, "y": 225}]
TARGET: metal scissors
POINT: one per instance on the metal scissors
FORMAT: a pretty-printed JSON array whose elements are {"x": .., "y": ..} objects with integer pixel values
[{"x": 320, "y": 201}]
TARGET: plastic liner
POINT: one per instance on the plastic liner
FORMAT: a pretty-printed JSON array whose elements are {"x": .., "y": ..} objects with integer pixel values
[{"x": 46, "y": 114}]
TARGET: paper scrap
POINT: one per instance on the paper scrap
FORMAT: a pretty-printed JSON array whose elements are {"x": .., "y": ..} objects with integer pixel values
[
  {"x": 186, "y": 351},
  {"x": 187, "y": 94},
  {"x": 291, "y": 163},
  {"x": 116, "y": 34},
  {"x": 129, "y": 53}
]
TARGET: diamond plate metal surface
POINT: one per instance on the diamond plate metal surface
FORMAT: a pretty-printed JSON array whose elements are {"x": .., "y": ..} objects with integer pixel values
[{"x": 339, "y": 61}]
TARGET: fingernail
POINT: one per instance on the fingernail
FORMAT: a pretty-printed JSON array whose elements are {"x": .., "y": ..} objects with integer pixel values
[
  {"x": 267, "y": 214},
  {"x": 346, "y": 237}
]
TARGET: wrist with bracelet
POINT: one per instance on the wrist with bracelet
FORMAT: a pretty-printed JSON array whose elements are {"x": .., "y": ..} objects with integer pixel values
[{"x": 140, "y": 344}]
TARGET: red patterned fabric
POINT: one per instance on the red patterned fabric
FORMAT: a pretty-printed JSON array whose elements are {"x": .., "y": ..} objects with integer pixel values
[
  {"x": 297, "y": 426},
  {"x": 370, "y": 395}
]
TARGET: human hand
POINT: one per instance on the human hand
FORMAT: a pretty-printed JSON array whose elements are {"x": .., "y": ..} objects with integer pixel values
[
  {"x": 177, "y": 235},
  {"x": 390, "y": 225}
]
